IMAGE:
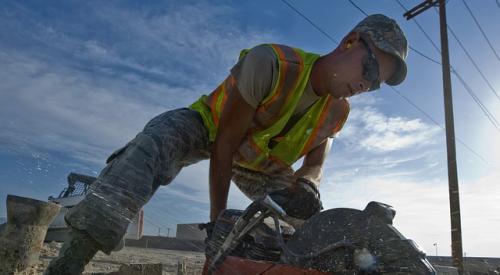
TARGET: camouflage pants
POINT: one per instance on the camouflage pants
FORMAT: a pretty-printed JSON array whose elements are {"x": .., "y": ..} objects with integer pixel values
[{"x": 168, "y": 143}]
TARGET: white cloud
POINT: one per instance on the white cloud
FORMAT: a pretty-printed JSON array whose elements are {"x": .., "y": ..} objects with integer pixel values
[
  {"x": 95, "y": 49},
  {"x": 423, "y": 208},
  {"x": 86, "y": 97},
  {"x": 201, "y": 37},
  {"x": 367, "y": 99},
  {"x": 409, "y": 173},
  {"x": 195, "y": 177},
  {"x": 378, "y": 133},
  {"x": 58, "y": 109}
]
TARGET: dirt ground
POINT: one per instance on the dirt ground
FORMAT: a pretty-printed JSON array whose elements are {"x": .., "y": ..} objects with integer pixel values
[{"x": 174, "y": 262}]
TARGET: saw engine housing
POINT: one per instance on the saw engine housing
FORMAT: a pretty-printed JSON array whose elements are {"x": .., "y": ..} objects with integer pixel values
[{"x": 341, "y": 240}]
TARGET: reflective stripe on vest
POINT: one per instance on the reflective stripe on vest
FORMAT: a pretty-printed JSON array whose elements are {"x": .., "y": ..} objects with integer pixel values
[{"x": 323, "y": 119}]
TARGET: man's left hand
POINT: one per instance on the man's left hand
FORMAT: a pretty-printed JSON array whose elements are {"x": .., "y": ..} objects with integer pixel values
[{"x": 301, "y": 200}]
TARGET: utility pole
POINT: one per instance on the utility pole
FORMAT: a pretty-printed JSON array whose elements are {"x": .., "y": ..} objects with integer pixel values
[
  {"x": 168, "y": 231},
  {"x": 456, "y": 228}
]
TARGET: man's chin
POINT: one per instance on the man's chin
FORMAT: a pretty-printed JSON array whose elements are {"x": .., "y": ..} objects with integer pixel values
[
  {"x": 336, "y": 96},
  {"x": 340, "y": 93}
]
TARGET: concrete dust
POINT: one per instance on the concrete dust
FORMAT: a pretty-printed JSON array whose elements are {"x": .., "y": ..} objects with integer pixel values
[{"x": 173, "y": 261}]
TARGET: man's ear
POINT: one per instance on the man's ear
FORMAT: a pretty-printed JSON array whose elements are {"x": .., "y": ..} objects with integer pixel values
[{"x": 349, "y": 40}]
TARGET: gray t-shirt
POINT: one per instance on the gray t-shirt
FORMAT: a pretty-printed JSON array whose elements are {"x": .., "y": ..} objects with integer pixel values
[{"x": 257, "y": 72}]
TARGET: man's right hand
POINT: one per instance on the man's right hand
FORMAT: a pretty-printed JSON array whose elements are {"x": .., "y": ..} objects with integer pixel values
[{"x": 208, "y": 227}]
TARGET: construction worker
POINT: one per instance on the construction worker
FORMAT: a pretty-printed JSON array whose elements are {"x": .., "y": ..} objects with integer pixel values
[{"x": 277, "y": 105}]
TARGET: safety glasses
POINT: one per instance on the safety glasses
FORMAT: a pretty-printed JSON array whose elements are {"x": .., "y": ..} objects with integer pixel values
[{"x": 370, "y": 67}]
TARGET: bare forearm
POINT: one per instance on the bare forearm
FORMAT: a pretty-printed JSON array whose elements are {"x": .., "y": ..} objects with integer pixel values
[
  {"x": 311, "y": 173},
  {"x": 234, "y": 122},
  {"x": 312, "y": 167},
  {"x": 220, "y": 179}
]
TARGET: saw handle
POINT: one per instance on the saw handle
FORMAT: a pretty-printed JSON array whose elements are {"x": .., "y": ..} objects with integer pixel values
[{"x": 245, "y": 223}]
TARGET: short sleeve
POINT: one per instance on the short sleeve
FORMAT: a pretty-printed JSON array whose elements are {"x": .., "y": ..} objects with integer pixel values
[{"x": 255, "y": 74}]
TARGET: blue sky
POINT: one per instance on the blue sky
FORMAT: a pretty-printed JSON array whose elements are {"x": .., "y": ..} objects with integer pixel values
[{"x": 80, "y": 79}]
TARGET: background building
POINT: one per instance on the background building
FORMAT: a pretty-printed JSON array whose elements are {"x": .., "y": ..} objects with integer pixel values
[{"x": 190, "y": 231}]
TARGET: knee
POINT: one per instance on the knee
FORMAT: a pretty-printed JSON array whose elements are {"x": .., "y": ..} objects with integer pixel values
[
  {"x": 142, "y": 146},
  {"x": 148, "y": 143}
]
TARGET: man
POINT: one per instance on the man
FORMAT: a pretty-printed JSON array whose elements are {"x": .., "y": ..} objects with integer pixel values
[{"x": 277, "y": 105}]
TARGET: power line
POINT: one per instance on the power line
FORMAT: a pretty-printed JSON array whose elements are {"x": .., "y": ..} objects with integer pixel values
[
  {"x": 409, "y": 101},
  {"x": 163, "y": 218},
  {"x": 151, "y": 215},
  {"x": 422, "y": 30},
  {"x": 335, "y": 41},
  {"x": 437, "y": 123},
  {"x": 357, "y": 7},
  {"x": 411, "y": 48},
  {"x": 481, "y": 29},
  {"x": 151, "y": 222},
  {"x": 160, "y": 218},
  {"x": 425, "y": 56},
  {"x": 472, "y": 61},
  {"x": 468, "y": 89},
  {"x": 310, "y": 22},
  {"x": 159, "y": 227},
  {"x": 394, "y": 89},
  {"x": 488, "y": 114}
]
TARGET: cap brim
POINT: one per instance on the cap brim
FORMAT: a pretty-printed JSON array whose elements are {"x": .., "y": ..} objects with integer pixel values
[{"x": 400, "y": 74}]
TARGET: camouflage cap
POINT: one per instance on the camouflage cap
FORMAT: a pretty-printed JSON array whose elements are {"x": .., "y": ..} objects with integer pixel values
[{"x": 388, "y": 37}]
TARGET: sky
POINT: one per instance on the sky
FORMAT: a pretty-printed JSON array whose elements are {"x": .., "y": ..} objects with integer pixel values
[{"x": 79, "y": 79}]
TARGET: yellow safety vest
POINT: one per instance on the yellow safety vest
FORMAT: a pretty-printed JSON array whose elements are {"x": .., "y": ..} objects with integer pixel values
[{"x": 323, "y": 119}]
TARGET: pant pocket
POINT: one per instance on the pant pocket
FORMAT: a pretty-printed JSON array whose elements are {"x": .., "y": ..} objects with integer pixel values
[{"x": 117, "y": 153}]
